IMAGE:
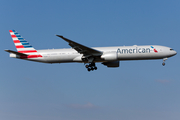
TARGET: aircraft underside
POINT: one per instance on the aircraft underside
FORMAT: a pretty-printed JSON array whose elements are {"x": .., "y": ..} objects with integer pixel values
[{"x": 90, "y": 63}]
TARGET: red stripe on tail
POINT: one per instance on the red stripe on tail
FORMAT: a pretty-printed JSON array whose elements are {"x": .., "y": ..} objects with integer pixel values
[
  {"x": 13, "y": 36},
  {"x": 17, "y": 41},
  {"x": 27, "y": 51},
  {"x": 19, "y": 46}
]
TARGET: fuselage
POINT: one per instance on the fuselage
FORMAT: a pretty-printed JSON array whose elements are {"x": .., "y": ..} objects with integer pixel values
[{"x": 118, "y": 53}]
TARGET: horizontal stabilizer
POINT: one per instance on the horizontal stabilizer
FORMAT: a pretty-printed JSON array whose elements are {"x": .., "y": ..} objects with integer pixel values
[{"x": 17, "y": 53}]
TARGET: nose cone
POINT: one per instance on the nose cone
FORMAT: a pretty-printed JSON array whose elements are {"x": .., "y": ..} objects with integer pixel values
[{"x": 172, "y": 52}]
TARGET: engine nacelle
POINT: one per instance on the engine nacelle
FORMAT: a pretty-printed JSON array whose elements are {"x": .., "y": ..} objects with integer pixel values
[
  {"x": 112, "y": 56},
  {"x": 111, "y": 64}
]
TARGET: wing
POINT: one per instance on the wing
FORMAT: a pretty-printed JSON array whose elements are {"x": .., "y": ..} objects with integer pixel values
[{"x": 86, "y": 51}]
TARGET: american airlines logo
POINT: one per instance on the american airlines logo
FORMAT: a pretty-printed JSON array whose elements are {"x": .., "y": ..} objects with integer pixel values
[
  {"x": 136, "y": 50},
  {"x": 154, "y": 49}
]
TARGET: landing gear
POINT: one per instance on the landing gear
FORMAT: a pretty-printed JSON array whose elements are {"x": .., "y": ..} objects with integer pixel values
[
  {"x": 164, "y": 59},
  {"x": 163, "y": 64},
  {"x": 91, "y": 66}
]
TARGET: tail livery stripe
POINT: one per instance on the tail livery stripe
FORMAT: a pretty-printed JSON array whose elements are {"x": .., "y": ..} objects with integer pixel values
[
  {"x": 23, "y": 46},
  {"x": 17, "y": 41},
  {"x": 20, "y": 42},
  {"x": 27, "y": 51},
  {"x": 19, "y": 46},
  {"x": 13, "y": 36}
]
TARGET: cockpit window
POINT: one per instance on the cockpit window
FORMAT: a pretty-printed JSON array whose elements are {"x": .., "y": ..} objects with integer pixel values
[{"x": 171, "y": 49}]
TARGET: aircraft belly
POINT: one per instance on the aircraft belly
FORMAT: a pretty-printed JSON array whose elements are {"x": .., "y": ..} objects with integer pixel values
[
  {"x": 37, "y": 60},
  {"x": 60, "y": 58}
]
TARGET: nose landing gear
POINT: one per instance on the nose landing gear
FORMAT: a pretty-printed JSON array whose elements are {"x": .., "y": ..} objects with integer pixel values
[
  {"x": 163, "y": 64},
  {"x": 164, "y": 59},
  {"x": 91, "y": 66}
]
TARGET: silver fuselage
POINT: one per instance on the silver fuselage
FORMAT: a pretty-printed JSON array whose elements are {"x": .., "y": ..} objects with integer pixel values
[{"x": 118, "y": 53}]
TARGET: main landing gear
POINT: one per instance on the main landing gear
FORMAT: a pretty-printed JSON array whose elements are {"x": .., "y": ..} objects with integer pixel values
[
  {"x": 164, "y": 59},
  {"x": 91, "y": 66}
]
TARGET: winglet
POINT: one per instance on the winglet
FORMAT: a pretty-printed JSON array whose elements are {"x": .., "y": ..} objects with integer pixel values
[{"x": 67, "y": 40}]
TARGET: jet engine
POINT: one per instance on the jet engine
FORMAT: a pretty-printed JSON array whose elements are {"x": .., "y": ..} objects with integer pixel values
[
  {"x": 112, "y": 56},
  {"x": 111, "y": 64}
]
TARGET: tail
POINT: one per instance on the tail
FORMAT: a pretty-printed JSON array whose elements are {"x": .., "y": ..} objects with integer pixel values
[{"x": 23, "y": 46}]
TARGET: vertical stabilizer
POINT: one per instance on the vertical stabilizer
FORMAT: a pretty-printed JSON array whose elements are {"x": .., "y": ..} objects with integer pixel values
[{"x": 22, "y": 45}]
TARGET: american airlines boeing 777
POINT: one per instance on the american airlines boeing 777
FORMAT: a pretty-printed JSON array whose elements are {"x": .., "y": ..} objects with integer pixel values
[{"x": 108, "y": 56}]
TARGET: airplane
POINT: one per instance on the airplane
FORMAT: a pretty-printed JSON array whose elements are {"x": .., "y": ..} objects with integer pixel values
[{"x": 108, "y": 56}]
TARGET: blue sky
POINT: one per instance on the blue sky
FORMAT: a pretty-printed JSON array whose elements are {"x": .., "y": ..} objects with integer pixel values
[{"x": 136, "y": 90}]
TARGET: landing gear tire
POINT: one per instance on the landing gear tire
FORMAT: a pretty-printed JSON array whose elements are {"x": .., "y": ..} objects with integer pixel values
[
  {"x": 91, "y": 66},
  {"x": 95, "y": 68},
  {"x": 164, "y": 59},
  {"x": 89, "y": 69},
  {"x": 163, "y": 64}
]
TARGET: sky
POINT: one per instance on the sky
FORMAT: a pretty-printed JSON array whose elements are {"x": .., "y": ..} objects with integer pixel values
[{"x": 137, "y": 90}]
